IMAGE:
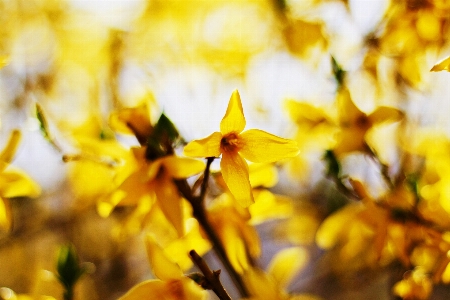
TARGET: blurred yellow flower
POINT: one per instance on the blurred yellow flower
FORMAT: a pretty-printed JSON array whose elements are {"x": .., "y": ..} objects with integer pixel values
[
  {"x": 13, "y": 182},
  {"x": 282, "y": 269},
  {"x": 171, "y": 285},
  {"x": 254, "y": 145},
  {"x": 354, "y": 124},
  {"x": 155, "y": 180}
]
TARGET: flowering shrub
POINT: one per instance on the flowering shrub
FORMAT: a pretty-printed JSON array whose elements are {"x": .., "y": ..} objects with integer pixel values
[{"x": 112, "y": 185}]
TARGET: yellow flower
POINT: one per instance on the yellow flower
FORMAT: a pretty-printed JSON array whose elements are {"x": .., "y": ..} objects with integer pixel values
[
  {"x": 154, "y": 180},
  {"x": 354, "y": 124},
  {"x": 13, "y": 182},
  {"x": 282, "y": 269},
  {"x": 254, "y": 145},
  {"x": 171, "y": 285}
]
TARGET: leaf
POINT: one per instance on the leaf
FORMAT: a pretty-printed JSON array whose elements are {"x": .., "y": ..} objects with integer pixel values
[
  {"x": 338, "y": 72},
  {"x": 163, "y": 139},
  {"x": 68, "y": 266}
]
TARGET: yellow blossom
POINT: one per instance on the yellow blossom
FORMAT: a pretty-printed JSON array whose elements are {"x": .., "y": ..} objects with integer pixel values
[
  {"x": 13, "y": 182},
  {"x": 282, "y": 269},
  {"x": 154, "y": 180},
  {"x": 354, "y": 123},
  {"x": 171, "y": 285},
  {"x": 235, "y": 146}
]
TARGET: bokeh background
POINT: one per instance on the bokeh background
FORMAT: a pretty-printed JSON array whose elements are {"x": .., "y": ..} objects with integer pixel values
[{"x": 81, "y": 60}]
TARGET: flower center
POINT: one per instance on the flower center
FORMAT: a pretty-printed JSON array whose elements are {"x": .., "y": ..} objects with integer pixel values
[{"x": 229, "y": 142}]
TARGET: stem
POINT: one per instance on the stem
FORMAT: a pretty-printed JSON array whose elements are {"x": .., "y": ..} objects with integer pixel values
[
  {"x": 200, "y": 213},
  {"x": 68, "y": 294},
  {"x": 212, "y": 277}
]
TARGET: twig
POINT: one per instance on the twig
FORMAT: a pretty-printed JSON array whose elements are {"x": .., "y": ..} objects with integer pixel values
[
  {"x": 199, "y": 212},
  {"x": 211, "y": 277}
]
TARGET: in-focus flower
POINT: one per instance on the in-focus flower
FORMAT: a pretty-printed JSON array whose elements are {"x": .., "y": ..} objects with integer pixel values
[
  {"x": 171, "y": 285},
  {"x": 235, "y": 146}
]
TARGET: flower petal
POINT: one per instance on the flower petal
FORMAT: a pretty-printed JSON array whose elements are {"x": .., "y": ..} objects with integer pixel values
[
  {"x": 7, "y": 155},
  {"x": 384, "y": 114},
  {"x": 442, "y": 65},
  {"x": 234, "y": 120},
  {"x": 286, "y": 264},
  {"x": 349, "y": 113},
  {"x": 207, "y": 147},
  {"x": 170, "y": 202},
  {"x": 263, "y": 147},
  {"x": 149, "y": 289},
  {"x": 5, "y": 216},
  {"x": 163, "y": 267},
  {"x": 132, "y": 121},
  {"x": 182, "y": 167},
  {"x": 235, "y": 174},
  {"x": 16, "y": 183}
]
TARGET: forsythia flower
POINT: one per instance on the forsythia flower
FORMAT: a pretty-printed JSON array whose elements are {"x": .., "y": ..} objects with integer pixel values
[
  {"x": 354, "y": 124},
  {"x": 254, "y": 145},
  {"x": 13, "y": 182},
  {"x": 171, "y": 285},
  {"x": 155, "y": 179},
  {"x": 282, "y": 269}
]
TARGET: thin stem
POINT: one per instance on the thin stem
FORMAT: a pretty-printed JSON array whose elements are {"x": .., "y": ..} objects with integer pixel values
[
  {"x": 200, "y": 213},
  {"x": 211, "y": 277}
]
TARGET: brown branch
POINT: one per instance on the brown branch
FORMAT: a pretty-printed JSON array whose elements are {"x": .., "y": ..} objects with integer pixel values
[
  {"x": 211, "y": 277},
  {"x": 200, "y": 213}
]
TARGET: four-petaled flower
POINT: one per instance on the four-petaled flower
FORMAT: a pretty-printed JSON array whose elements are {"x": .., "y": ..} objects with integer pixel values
[{"x": 234, "y": 145}]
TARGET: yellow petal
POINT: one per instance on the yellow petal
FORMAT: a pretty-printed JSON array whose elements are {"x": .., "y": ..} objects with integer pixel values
[
  {"x": 132, "y": 121},
  {"x": 349, "y": 113},
  {"x": 260, "y": 285},
  {"x": 182, "y": 167},
  {"x": 302, "y": 112},
  {"x": 3, "y": 60},
  {"x": 5, "y": 216},
  {"x": 235, "y": 174},
  {"x": 7, "y": 155},
  {"x": 285, "y": 265},
  {"x": 269, "y": 206},
  {"x": 265, "y": 175},
  {"x": 134, "y": 188},
  {"x": 384, "y": 113},
  {"x": 170, "y": 202},
  {"x": 163, "y": 267},
  {"x": 263, "y": 147},
  {"x": 179, "y": 248},
  {"x": 234, "y": 120},
  {"x": 443, "y": 65},
  {"x": 15, "y": 183},
  {"x": 207, "y": 147},
  {"x": 146, "y": 290},
  {"x": 332, "y": 228}
]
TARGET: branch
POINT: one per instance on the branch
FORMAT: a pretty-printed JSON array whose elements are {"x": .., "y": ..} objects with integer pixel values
[
  {"x": 200, "y": 213},
  {"x": 211, "y": 277}
]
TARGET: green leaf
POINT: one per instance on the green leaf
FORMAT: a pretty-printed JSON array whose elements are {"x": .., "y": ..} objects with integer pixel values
[
  {"x": 164, "y": 138},
  {"x": 338, "y": 72},
  {"x": 333, "y": 166},
  {"x": 68, "y": 267}
]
